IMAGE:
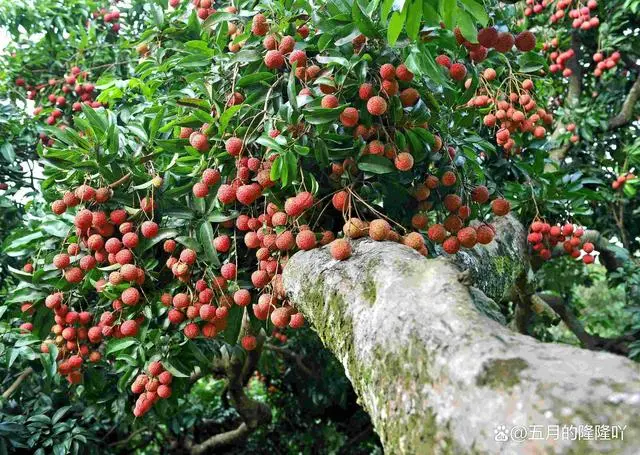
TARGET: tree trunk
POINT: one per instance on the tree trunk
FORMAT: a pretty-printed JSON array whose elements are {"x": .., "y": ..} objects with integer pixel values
[{"x": 435, "y": 368}]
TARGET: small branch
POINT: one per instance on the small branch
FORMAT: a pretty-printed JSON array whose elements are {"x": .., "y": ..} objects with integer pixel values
[
  {"x": 128, "y": 438},
  {"x": 222, "y": 439},
  {"x": 120, "y": 181},
  {"x": 292, "y": 355},
  {"x": 13, "y": 387},
  {"x": 626, "y": 112}
]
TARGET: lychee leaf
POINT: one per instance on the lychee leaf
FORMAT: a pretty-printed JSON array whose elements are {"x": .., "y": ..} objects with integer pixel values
[{"x": 375, "y": 164}]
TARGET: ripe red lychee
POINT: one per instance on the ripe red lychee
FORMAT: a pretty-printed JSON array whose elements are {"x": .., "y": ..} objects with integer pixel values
[
  {"x": 488, "y": 37},
  {"x": 280, "y": 317},
  {"x": 287, "y": 44},
  {"x": 129, "y": 328},
  {"x": 199, "y": 141},
  {"x": 437, "y": 233},
  {"x": 409, "y": 97},
  {"x": 259, "y": 25},
  {"x": 233, "y": 146},
  {"x": 340, "y": 250},
  {"x": 458, "y": 71},
  {"x": 403, "y": 73},
  {"x": 387, "y": 71},
  {"x": 376, "y": 105},
  {"x": 500, "y": 206},
  {"x": 452, "y": 202},
  {"x": 211, "y": 177},
  {"x": 188, "y": 256},
  {"x": 200, "y": 190},
  {"x": 297, "y": 321},
  {"x": 467, "y": 237},
  {"x": 149, "y": 229},
  {"x": 404, "y": 161},
  {"x": 504, "y": 42},
  {"x": 299, "y": 57},
  {"x": 329, "y": 102},
  {"x": 60, "y": 261},
  {"x": 525, "y": 41},
  {"x": 451, "y": 245},
  {"x": 274, "y": 59},
  {"x": 480, "y": 194},
  {"x": 349, "y": 117},
  {"x": 191, "y": 330},
  {"x": 242, "y": 297},
  {"x": 130, "y": 296},
  {"x": 73, "y": 275},
  {"x": 443, "y": 60},
  {"x": 448, "y": 179},
  {"x": 365, "y": 91},
  {"x": 249, "y": 342},
  {"x": 306, "y": 240}
]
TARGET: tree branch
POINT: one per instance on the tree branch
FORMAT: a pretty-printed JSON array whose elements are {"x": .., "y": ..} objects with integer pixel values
[
  {"x": 626, "y": 112},
  {"x": 434, "y": 371},
  {"x": 13, "y": 387}
]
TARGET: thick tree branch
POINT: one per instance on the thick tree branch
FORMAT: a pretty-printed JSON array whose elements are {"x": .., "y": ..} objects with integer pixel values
[
  {"x": 626, "y": 112},
  {"x": 435, "y": 373}
]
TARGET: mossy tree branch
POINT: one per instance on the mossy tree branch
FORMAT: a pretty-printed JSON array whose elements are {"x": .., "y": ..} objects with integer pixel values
[{"x": 435, "y": 370}]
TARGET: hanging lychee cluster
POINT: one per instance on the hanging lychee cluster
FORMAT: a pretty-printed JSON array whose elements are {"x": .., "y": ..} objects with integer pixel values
[
  {"x": 150, "y": 387},
  {"x": 490, "y": 38},
  {"x": 548, "y": 241}
]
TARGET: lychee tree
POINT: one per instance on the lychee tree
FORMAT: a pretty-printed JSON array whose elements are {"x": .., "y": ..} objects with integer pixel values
[{"x": 180, "y": 185}]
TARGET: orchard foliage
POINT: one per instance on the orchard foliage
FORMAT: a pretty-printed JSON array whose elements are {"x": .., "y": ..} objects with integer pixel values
[{"x": 190, "y": 148}]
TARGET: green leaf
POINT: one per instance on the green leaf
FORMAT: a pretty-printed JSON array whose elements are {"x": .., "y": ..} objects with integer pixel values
[
  {"x": 170, "y": 367},
  {"x": 155, "y": 123},
  {"x": 363, "y": 21},
  {"x": 414, "y": 18},
  {"x": 395, "y": 25},
  {"x": 448, "y": 12},
  {"x": 476, "y": 10},
  {"x": 226, "y": 117},
  {"x": 116, "y": 345},
  {"x": 467, "y": 26},
  {"x": 250, "y": 79},
  {"x": 6, "y": 150},
  {"x": 206, "y": 240},
  {"x": 376, "y": 164},
  {"x": 291, "y": 88}
]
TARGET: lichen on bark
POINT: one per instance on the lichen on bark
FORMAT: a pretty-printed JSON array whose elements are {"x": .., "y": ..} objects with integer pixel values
[{"x": 435, "y": 372}]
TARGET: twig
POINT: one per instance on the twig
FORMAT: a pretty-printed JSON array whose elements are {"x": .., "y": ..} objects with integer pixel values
[{"x": 12, "y": 388}]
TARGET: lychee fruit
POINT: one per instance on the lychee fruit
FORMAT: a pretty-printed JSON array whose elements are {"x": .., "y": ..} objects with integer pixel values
[{"x": 340, "y": 250}]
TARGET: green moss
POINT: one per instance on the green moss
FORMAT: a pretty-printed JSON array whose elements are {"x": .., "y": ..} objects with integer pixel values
[
  {"x": 369, "y": 289},
  {"x": 501, "y": 373}
]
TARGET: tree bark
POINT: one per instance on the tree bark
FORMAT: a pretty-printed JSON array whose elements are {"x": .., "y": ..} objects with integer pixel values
[{"x": 433, "y": 365}]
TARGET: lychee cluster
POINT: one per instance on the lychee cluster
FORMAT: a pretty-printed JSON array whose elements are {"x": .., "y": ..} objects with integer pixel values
[
  {"x": 619, "y": 182},
  {"x": 544, "y": 239},
  {"x": 491, "y": 38},
  {"x": 604, "y": 64},
  {"x": 580, "y": 13},
  {"x": 152, "y": 386}
]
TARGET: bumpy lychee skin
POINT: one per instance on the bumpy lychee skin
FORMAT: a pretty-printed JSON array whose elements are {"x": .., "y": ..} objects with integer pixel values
[
  {"x": 306, "y": 240},
  {"x": 281, "y": 317},
  {"x": 376, "y": 105},
  {"x": 259, "y": 25},
  {"x": 191, "y": 330},
  {"x": 211, "y": 177},
  {"x": 58, "y": 207},
  {"x": 287, "y": 44},
  {"x": 233, "y": 146},
  {"x": 458, "y": 71},
  {"x": 349, "y": 117},
  {"x": 130, "y": 296},
  {"x": 83, "y": 219},
  {"x": 452, "y": 202},
  {"x": 149, "y": 229},
  {"x": 387, "y": 71},
  {"x": 467, "y": 237},
  {"x": 448, "y": 179},
  {"x": 242, "y": 297},
  {"x": 155, "y": 368},
  {"x": 329, "y": 101},
  {"x": 129, "y": 328},
  {"x": 199, "y": 141},
  {"x": 403, "y": 73},
  {"x": 413, "y": 240},
  {"x": 504, "y": 42},
  {"x": 365, "y": 91},
  {"x": 500, "y": 207},
  {"x": 200, "y": 190},
  {"x": 437, "y": 233},
  {"x": 409, "y": 97},
  {"x": 480, "y": 194},
  {"x": 60, "y": 261},
  {"x": 451, "y": 245},
  {"x": 488, "y": 37},
  {"x": 404, "y": 161},
  {"x": 379, "y": 229},
  {"x": 73, "y": 275},
  {"x": 340, "y": 249},
  {"x": 443, "y": 60},
  {"x": 298, "y": 57},
  {"x": 274, "y": 59},
  {"x": 525, "y": 41},
  {"x": 249, "y": 342}
]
